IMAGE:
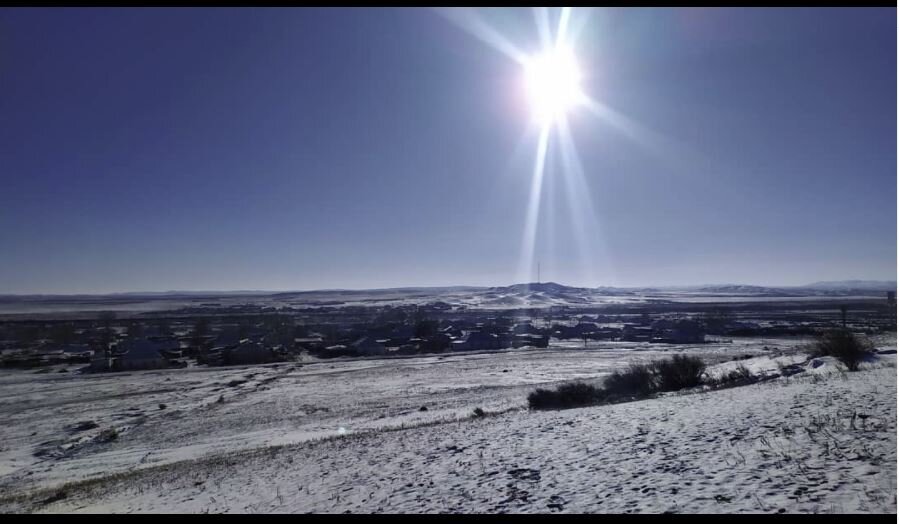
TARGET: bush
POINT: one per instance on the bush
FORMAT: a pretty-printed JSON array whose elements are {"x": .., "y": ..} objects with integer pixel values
[
  {"x": 85, "y": 425},
  {"x": 844, "y": 346},
  {"x": 637, "y": 379},
  {"x": 742, "y": 373},
  {"x": 679, "y": 372},
  {"x": 573, "y": 395},
  {"x": 478, "y": 413},
  {"x": 108, "y": 435},
  {"x": 739, "y": 376}
]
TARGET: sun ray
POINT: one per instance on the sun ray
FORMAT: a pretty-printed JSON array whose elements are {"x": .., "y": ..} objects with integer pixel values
[
  {"x": 541, "y": 18},
  {"x": 585, "y": 220},
  {"x": 467, "y": 19},
  {"x": 547, "y": 250},
  {"x": 563, "y": 26},
  {"x": 623, "y": 124},
  {"x": 674, "y": 154},
  {"x": 578, "y": 23},
  {"x": 526, "y": 265},
  {"x": 579, "y": 204}
]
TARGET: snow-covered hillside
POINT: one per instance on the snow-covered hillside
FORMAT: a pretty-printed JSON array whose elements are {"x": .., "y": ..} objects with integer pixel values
[{"x": 381, "y": 436}]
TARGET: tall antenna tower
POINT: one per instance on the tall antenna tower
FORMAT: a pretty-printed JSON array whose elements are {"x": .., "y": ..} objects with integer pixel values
[{"x": 538, "y": 272}]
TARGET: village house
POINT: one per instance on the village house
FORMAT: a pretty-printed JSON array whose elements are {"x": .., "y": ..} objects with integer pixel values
[
  {"x": 452, "y": 331},
  {"x": 682, "y": 332},
  {"x": 606, "y": 333},
  {"x": 309, "y": 343},
  {"x": 435, "y": 343},
  {"x": 101, "y": 361},
  {"x": 48, "y": 353},
  {"x": 525, "y": 328},
  {"x": 227, "y": 338},
  {"x": 580, "y": 330},
  {"x": 142, "y": 353},
  {"x": 248, "y": 353},
  {"x": 537, "y": 341},
  {"x": 337, "y": 350},
  {"x": 477, "y": 341},
  {"x": 662, "y": 325},
  {"x": 368, "y": 346},
  {"x": 636, "y": 333},
  {"x": 77, "y": 352}
]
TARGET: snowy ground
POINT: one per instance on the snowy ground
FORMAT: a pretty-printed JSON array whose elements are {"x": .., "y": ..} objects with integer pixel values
[{"x": 352, "y": 436}]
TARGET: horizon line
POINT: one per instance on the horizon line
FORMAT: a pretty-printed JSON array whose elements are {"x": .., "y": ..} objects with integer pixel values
[{"x": 400, "y": 288}]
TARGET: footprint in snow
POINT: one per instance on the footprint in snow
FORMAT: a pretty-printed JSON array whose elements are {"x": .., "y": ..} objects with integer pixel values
[
  {"x": 525, "y": 474},
  {"x": 556, "y": 502}
]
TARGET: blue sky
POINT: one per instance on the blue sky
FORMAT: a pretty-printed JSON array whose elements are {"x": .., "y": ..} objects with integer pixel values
[{"x": 159, "y": 149}]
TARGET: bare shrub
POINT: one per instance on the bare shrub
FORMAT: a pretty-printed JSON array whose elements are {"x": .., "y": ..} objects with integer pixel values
[
  {"x": 737, "y": 377},
  {"x": 844, "y": 345},
  {"x": 108, "y": 435},
  {"x": 572, "y": 395},
  {"x": 84, "y": 426},
  {"x": 637, "y": 379},
  {"x": 740, "y": 374},
  {"x": 634, "y": 382},
  {"x": 679, "y": 372}
]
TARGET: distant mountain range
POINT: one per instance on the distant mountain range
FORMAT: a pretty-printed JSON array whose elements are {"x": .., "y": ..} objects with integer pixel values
[
  {"x": 872, "y": 285},
  {"x": 842, "y": 287},
  {"x": 509, "y": 295}
]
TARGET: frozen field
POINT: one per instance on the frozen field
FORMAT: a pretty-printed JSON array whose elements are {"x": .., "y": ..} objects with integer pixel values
[{"x": 396, "y": 435}]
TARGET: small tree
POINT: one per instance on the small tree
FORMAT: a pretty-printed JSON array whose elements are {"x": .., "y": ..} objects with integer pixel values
[
  {"x": 716, "y": 320},
  {"x": 135, "y": 330},
  {"x": 163, "y": 327},
  {"x": 63, "y": 333},
  {"x": 330, "y": 333},
  {"x": 281, "y": 330},
  {"x": 199, "y": 332},
  {"x": 28, "y": 334},
  {"x": 106, "y": 333},
  {"x": 243, "y": 328},
  {"x": 425, "y": 328}
]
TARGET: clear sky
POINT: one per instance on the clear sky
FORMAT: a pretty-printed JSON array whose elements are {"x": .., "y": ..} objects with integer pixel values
[{"x": 201, "y": 149}]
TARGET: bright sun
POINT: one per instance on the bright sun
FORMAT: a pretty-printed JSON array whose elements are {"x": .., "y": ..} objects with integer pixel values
[{"x": 553, "y": 81}]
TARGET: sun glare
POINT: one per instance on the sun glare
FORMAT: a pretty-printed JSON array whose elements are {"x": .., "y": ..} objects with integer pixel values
[{"x": 553, "y": 83}]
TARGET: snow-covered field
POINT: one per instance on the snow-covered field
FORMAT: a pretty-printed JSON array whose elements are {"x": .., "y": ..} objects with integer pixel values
[{"x": 398, "y": 435}]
